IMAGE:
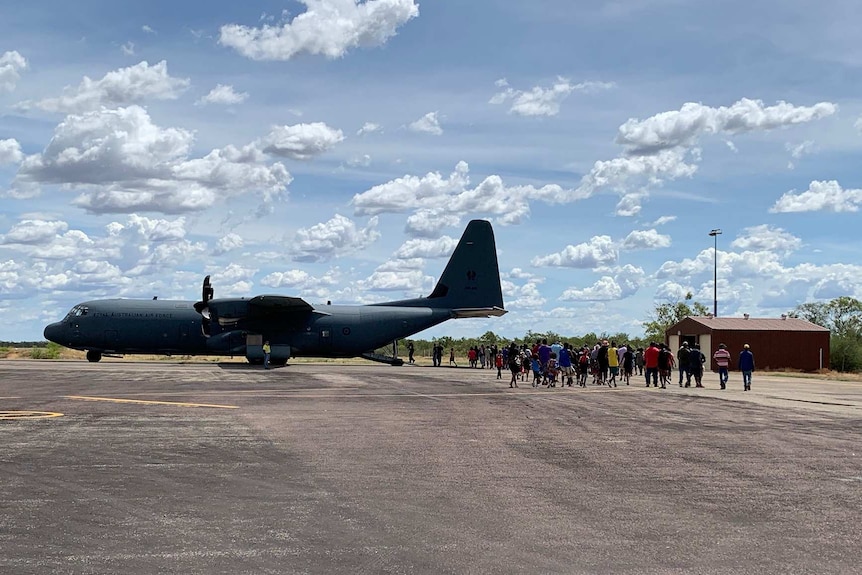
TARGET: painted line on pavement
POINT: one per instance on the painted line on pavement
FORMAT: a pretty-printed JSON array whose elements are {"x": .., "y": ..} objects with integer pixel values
[
  {"x": 6, "y": 415},
  {"x": 149, "y": 402}
]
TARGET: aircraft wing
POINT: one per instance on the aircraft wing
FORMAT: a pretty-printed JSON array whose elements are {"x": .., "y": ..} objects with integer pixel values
[{"x": 279, "y": 305}]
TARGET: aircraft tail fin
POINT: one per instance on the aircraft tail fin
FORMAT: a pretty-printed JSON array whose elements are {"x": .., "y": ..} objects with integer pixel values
[{"x": 470, "y": 283}]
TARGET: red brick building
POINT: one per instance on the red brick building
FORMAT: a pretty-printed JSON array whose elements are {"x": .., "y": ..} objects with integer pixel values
[{"x": 780, "y": 343}]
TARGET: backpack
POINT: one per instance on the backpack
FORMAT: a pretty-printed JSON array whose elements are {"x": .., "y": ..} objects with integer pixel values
[{"x": 584, "y": 359}]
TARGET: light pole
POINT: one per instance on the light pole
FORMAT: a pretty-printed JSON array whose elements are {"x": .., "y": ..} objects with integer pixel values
[{"x": 715, "y": 233}]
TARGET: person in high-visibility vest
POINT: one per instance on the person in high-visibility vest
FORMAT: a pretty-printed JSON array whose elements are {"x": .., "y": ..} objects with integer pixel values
[{"x": 266, "y": 351}]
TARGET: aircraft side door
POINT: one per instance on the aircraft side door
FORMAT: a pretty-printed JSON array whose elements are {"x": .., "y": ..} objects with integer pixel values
[{"x": 325, "y": 341}]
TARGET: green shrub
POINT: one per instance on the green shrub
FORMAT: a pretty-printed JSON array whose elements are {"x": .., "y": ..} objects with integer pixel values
[{"x": 50, "y": 351}]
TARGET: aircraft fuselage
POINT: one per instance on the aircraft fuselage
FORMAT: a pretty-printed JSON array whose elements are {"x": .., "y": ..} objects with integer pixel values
[
  {"x": 127, "y": 326},
  {"x": 469, "y": 287}
]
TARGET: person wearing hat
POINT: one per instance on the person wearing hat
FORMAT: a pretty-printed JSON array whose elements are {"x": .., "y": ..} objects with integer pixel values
[
  {"x": 682, "y": 361},
  {"x": 746, "y": 366},
  {"x": 722, "y": 360}
]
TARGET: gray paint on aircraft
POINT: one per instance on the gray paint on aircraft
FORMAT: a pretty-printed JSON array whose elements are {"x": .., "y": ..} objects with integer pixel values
[{"x": 468, "y": 287}]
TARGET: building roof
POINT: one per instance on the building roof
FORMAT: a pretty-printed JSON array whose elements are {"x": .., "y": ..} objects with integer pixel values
[{"x": 756, "y": 324}]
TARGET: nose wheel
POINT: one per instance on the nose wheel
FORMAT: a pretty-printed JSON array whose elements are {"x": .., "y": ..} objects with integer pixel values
[{"x": 94, "y": 356}]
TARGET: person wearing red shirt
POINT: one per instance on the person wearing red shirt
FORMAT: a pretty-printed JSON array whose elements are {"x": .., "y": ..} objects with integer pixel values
[{"x": 651, "y": 364}]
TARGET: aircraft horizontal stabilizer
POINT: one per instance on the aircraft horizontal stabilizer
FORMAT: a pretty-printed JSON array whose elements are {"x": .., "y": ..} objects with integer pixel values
[{"x": 478, "y": 312}]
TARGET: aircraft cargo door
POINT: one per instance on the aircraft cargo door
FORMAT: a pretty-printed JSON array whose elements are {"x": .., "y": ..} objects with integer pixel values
[
  {"x": 112, "y": 338},
  {"x": 325, "y": 341}
]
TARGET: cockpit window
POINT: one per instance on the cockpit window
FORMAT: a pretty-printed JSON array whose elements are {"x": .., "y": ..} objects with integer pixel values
[{"x": 78, "y": 311}]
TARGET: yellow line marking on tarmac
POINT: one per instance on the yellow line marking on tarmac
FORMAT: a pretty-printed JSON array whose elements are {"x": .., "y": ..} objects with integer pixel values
[
  {"x": 150, "y": 402},
  {"x": 501, "y": 393},
  {"x": 243, "y": 391},
  {"x": 28, "y": 414}
]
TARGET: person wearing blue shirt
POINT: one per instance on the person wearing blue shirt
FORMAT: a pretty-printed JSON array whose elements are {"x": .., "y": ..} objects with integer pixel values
[
  {"x": 565, "y": 363},
  {"x": 746, "y": 366}
]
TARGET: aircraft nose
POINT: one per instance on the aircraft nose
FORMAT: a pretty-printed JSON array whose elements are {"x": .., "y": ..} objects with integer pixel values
[{"x": 53, "y": 332}]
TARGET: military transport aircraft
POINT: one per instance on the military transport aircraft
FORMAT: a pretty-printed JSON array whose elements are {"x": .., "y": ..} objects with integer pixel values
[{"x": 469, "y": 287}]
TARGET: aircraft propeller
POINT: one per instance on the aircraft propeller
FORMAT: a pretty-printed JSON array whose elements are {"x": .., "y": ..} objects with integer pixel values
[{"x": 202, "y": 307}]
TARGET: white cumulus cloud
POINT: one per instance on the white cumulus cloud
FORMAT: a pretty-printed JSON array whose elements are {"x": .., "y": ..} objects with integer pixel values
[
  {"x": 426, "y": 248},
  {"x": 327, "y": 27},
  {"x": 766, "y": 237},
  {"x": 118, "y": 88},
  {"x": 434, "y": 193},
  {"x": 223, "y": 94},
  {"x": 11, "y": 65},
  {"x": 646, "y": 240},
  {"x": 368, "y": 128},
  {"x": 821, "y": 196},
  {"x": 301, "y": 141},
  {"x": 599, "y": 251},
  {"x": 427, "y": 223},
  {"x": 334, "y": 238},
  {"x": 300, "y": 280},
  {"x": 362, "y": 161},
  {"x": 429, "y": 124},
  {"x": 681, "y": 128},
  {"x": 228, "y": 242},
  {"x": 122, "y": 162},
  {"x": 33, "y": 232},
  {"x": 10, "y": 152},
  {"x": 540, "y": 101},
  {"x": 605, "y": 289},
  {"x": 403, "y": 275}
]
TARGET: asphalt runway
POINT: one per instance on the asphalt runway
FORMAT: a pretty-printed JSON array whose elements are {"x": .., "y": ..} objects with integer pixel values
[{"x": 125, "y": 467}]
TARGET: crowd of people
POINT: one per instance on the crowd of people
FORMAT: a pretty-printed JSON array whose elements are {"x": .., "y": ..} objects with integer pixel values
[{"x": 605, "y": 363}]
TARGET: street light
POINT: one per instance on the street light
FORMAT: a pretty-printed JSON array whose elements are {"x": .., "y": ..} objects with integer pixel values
[{"x": 715, "y": 233}]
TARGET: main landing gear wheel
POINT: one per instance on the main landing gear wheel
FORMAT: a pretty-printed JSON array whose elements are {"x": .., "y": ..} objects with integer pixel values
[{"x": 94, "y": 356}]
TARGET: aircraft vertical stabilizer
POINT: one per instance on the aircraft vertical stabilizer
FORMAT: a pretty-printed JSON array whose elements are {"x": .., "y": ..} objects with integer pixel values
[{"x": 470, "y": 284}]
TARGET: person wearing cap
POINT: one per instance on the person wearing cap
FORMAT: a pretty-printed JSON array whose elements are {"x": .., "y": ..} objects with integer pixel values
[
  {"x": 746, "y": 366},
  {"x": 682, "y": 361},
  {"x": 722, "y": 360}
]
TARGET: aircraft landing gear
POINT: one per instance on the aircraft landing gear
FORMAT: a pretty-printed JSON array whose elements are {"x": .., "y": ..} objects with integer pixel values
[{"x": 94, "y": 356}]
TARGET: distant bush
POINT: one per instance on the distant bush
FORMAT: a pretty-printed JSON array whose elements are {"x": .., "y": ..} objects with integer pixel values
[
  {"x": 4, "y": 351},
  {"x": 50, "y": 351}
]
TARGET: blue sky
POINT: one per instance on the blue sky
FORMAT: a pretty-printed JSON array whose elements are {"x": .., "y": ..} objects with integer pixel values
[{"x": 336, "y": 150}]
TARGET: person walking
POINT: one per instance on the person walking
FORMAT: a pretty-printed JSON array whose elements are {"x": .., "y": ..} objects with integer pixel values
[
  {"x": 722, "y": 360},
  {"x": 651, "y": 364},
  {"x": 410, "y": 350},
  {"x": 639, "y": 360},
  {"x": 267, "y": 350},
  {"x": 514, "y": 365},
  {"x": 682, "y": 361},
  {"x": 746, "y": 366},
  {"x": 695, "y": 364}
]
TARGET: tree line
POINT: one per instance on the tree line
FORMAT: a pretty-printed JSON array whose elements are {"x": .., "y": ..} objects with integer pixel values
[
  {"x": 462, "y": 345},
  {"x": 842, "y": 316}
]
